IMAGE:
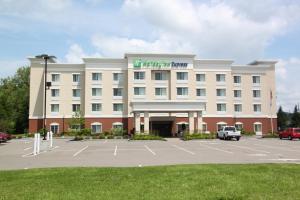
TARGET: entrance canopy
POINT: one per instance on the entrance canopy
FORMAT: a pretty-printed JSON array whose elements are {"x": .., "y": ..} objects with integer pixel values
[{"x": 167, "y": 106}]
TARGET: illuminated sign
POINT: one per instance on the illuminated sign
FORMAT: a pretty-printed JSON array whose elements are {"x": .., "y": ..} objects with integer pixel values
[{"x": 158, "y": 64}]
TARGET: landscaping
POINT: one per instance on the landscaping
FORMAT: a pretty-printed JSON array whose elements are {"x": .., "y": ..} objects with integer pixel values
[
  {"x": 146, "y": 137},
  {"x": 198, "y": 136},
  {"x": 254, "y": 181}
]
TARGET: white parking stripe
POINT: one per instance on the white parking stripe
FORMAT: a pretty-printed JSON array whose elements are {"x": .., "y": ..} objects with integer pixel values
[
  {"x": 217, "y": 149},
  {"x": 241, "y": 147},
  {"x": 150, "y": 150},
  {"x": 27, "y": 148},
  {"x": 115, "y": 153},
  {"x": 81, "y": 150},
  {"x": 276, "y": 147},
  {"x": 183, "y": 149}
]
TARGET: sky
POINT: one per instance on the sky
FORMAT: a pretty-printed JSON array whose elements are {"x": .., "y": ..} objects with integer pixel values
[{"x": 217, "y": 29}]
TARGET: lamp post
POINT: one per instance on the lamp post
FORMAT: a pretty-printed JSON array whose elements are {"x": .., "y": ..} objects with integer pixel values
[{"x": 47, "y": 86}]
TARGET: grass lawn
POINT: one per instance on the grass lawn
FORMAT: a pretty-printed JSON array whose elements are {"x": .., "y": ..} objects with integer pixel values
[{"x": 257, "y": 181}]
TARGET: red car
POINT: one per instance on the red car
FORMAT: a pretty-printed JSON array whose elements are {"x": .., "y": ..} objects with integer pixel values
[
  {"x": 4, "y": 137},
  {"x": 290, "y": 133}
]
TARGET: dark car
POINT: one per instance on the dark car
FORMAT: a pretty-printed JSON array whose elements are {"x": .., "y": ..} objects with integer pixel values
[{"x": 290, "y": 133}]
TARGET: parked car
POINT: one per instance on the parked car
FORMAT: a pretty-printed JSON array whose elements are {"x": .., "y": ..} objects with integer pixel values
[
  {"x": 4, "y": 137},
  {"x": 290, "y": 133},
  {"x": 229, "y": 132}
]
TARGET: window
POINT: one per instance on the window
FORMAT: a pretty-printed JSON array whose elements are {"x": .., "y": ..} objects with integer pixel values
[
  {"x": 96, "y": 107},
  {"x": 55, "y": 77},
  {"x": 257, "y": 127},
  {"x": 160, "y": 91},
  {"x": 55, "y": 92},
  {"x": 76, "y": 78},
  {"x": 139, "y": 75},
  {"x": 256, "y": 93},
  {"x": 201, "y": 92},
  {"x": 256, "y": 79},
  {"x": 237, "y": 93},
  {"x": 159, "y": 76},
  {"x": 220, "y": 125},
  {"x": 220, "y": 77},
  {"x": 76, "y": 92},
  {"x": 75, "y": 107},
  {"x": 96, "y": 76},
  {"x": 96, "y": 128},
  {"x": 200, "y": 77},
  {"x": 237, "y": 79},
  {"x": 54, "y": 128},
  {"x": 182, "y": 76},
  {"x": 54, "y": 107},
  {"x": 96, "y": 92},
  {"x": 221, "y": 92},
  {"x": 237, "y": 107},
  {"x": 204, "y": 127},
  {"x": 118, "y": 76},
  {"x": 239, "y": 126},
  {"x": 182, "y": 91},
  {"x": 118, "y": 92},
  {"x": 117, "y": 125},
  {"x": 221, "y": 107},
  {"x": 118, "y": 107},
  {"x": 139, "y": 90},
  {"x": 257, "y": 107}
]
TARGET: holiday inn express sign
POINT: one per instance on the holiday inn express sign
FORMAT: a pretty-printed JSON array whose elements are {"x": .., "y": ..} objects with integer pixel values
[{"x": 158, "y": 64}]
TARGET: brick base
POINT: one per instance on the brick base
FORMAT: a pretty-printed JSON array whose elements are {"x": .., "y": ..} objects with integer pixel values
[{"x": 128, "y": 123}]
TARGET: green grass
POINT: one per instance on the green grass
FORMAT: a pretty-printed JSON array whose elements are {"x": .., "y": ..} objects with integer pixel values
[{"x": 257, "y": 181}]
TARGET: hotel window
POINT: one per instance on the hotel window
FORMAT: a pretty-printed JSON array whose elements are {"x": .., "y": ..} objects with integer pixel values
[
  {"x": 118, "y": 76},
  {"x": 159, "y": 76},
  {"x": 96, "y": 128},
  {"x": 182, "y": 91},
  {"x": 117, "y": 107},
  {"x": 118, "y": 92},
  {"x": 54, "y": 108},
  {"x": 75, "y": 107},
  {"x": 237, "y": 107},
  {"x": 54, "y": 128},
  {"x": 220, "y": 125},
  {"x": 221, "y": 92},
  {"x": 200, "y": 77},
  {"x": 76, "y": 92},
  {"x": 55, "y": 92},
  {"x": 76, "y": 78},
  {"x": 256, "y": 79},
  {"x": 96, "y": 107},
  {"x": 96, "y": 92},
  {"x": 55, "y": 77},
  {"x": 117, "y": 125},
  {"x": 257, "y": 127},
  {"x": 182, "y": 76},
  {"x": 139, "y": 90},
  {"x": 139, "y": 75},
  {"x": 238, "y": 126},
  {"x": 237, "y": 79},
  {"x": 237, "y": 93},
  {"x": 160, "y": 91},
  {"x": 221, "y": 107},
  {"x": 201, "y": 92},
  {"x": 256, "y": 93},
  {"x": 256, "y": 107},
  {"x": 220, "y": 77},
  {"x": 96, "y": 76}
]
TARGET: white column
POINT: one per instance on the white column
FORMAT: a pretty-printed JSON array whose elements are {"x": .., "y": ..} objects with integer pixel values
[
  {"x": 199, "y": 121},
  {"x": 146, "y": 122},
  {"x": 191, "y": 122},
  {"x": 137, "y": 122}
]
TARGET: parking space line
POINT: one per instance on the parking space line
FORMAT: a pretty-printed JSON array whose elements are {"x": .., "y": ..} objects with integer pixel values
[
  {"x": 115, "y": 153},
  {"x": 81, "y": 150},
  {"x": 27, "y": 148},
  {"x": 217, "y": 149},
  {"x": 276, "y": 148},
  {"x": 183, "y": 149},
  {"x": 150, "y": 150},
  {"x": 241, "y": 147}
]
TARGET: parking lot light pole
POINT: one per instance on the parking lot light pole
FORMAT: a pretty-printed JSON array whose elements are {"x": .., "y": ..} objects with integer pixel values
[{"x": 47, "y": 86}]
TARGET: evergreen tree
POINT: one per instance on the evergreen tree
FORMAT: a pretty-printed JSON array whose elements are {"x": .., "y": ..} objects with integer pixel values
[
  {"x": 282, "y": 119},
  {"x": 295, "y": 119}
]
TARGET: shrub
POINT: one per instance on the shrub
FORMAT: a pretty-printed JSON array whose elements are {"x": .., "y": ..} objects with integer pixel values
[
  {"x": 85, "y": 131},
  {"x": 118, "y": 132},
  {"x": 78, "y": 138},
  {"x": 194, "y": 136},
  {"x": 101, "y": 136},
  {"x": 109, "y": 137},
  {"x": 270, "y": 135},
  {"x": 147, "y": 137},
  {"x": 247, "y": 133}
]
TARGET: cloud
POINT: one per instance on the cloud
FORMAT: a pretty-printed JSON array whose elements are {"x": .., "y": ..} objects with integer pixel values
[{"x": 76, "y": 53}]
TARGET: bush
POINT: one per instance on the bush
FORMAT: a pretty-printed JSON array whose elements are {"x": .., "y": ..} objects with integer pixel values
[
  {"x": 78, "y": 138},
  {"x": 109, "y": 137},
  {"x": 247, "y": 133},
  {"x": 199, "y": 136},
  {"x": 147, "y": 137},
  {"x": 118, "y": 132},
  {"x": 270, "y": 135},
  {"x": 85, "y": 131}
]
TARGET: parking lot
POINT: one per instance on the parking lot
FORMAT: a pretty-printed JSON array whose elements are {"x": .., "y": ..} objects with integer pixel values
[{"x": 16, "y": 154}]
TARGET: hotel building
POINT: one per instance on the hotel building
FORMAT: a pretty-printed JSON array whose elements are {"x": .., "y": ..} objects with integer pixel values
[{"x": 163, "y": 93}]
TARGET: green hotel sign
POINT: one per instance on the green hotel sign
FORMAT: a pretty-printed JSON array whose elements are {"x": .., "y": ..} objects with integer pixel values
[{"x": 157, "y": 64}]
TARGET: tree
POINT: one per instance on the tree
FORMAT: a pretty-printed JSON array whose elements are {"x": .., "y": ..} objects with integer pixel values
[
  {"x": 282, "y": 119},
  {"x": 14, "y": 102},
  {"x": 77, "y": 121},
  {"x": 295, "y": 119}
]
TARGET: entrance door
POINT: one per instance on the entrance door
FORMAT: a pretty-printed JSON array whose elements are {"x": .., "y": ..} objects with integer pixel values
[{"x": 162, "y": 128}]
